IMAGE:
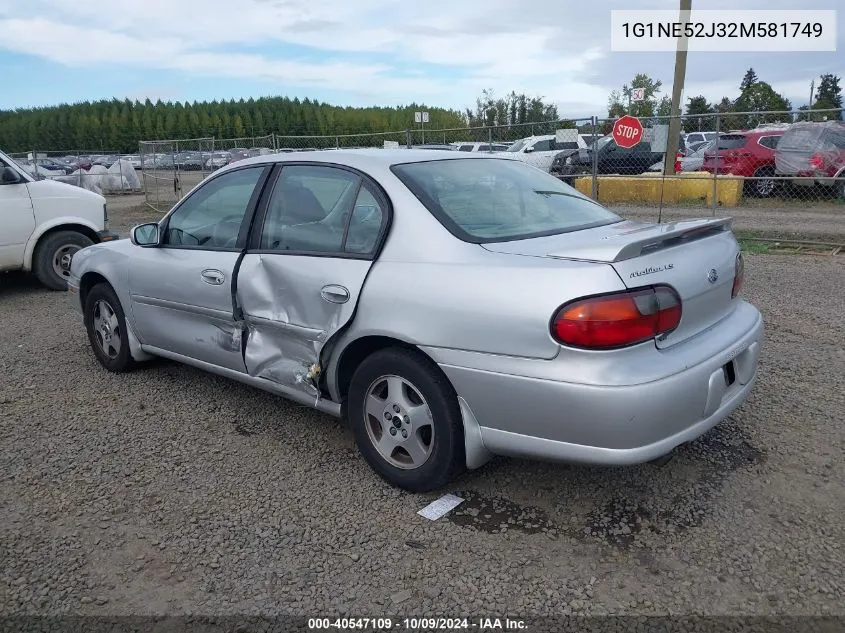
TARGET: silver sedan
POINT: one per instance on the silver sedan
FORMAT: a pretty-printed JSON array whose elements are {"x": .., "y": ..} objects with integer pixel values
[{"x": 449, "y": 306}]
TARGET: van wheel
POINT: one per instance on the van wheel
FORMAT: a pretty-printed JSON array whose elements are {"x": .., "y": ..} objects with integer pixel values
[
  {"x": 53, "y": 254},
  {"x": 406, "y": 420}
]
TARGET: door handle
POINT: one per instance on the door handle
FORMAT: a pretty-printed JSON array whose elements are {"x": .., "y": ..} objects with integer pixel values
[
  {"x": 213, "y": 277},
  {"x": 334, "y": 294}
]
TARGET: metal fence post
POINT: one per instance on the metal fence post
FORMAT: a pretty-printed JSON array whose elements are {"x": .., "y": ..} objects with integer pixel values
[
  {"x": 715, "y": 201},
  {"x": 594, "y": 159},
  {"x": 408, "y": 138},
  {"x": 490, "y": 138}
]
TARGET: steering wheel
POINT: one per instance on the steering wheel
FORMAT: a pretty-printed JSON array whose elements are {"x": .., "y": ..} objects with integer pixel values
[{"x": 222, "y": 239}]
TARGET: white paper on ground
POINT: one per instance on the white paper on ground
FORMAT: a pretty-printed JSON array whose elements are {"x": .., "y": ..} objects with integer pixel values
[{"x": 441, "y": 506}]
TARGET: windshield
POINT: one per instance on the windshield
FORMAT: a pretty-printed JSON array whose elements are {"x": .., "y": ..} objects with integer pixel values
[
  {"x": 499, "y": 200},
  {"x": 604, "y": 140},
  {"x": 517, "y": 146}
]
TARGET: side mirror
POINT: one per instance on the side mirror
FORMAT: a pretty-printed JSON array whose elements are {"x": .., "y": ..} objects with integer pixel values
[
  {"x": 529, "y": 149},
  {"x": 145, "y": 235},
  {"x": 9, "y": 176}
]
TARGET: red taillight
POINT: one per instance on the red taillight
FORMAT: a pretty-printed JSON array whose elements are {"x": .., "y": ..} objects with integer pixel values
[
  {"x": 619, "y": 319},
  {"x": 739, "y": 275},
  {"x": 816, "y": 161}
]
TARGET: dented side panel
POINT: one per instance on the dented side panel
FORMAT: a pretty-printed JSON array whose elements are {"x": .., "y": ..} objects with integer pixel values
[
  {"x": 174, "y": 308},
  {"x": 288, "y": 319}
]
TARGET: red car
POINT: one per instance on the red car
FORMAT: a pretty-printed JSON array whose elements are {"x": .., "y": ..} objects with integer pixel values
[{"x": 749, "y": 154}]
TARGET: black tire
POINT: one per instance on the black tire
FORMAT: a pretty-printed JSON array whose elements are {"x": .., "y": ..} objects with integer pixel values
[
  {"x": 98, "y": 298},
  {"x": 759, "y": 187},
  {"x": 50, "y": 250},
  {"x": 446, "y": 459}
]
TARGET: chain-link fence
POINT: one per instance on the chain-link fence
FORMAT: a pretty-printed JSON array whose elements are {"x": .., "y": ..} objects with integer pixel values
[
  {"x": 107, "y": 173},
  {"x": 724, "y": 159},
  {"x": 341, "y": 141},
  {"x": 171, "y": 169}
]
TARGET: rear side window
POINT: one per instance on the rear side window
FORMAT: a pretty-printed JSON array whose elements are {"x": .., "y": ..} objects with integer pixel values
[
  {"x": 308, "y": 209},
  {"x": 731, "y": 141},
  {"x": 499, "y": 200}
]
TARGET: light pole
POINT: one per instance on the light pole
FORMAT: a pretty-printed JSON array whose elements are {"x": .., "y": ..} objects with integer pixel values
[{"x": 677, "y": 90}]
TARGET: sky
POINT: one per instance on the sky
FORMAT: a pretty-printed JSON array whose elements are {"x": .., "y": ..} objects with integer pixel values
[{"x": 362, "y": 52}]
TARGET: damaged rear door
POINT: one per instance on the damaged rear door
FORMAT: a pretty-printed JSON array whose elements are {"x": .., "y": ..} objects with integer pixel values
[{"x": 312, "y": 245}]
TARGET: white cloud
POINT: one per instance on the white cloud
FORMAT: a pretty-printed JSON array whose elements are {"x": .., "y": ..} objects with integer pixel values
[
  {"x": 505, "y": 51},
  {"x": 376, "y": 51}
]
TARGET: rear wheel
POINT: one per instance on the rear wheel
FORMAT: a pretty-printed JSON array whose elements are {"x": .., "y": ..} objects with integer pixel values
[
  {"x": 406, "y": 420},
  {"x": 763, "y": 185},
  {"x": 106, "y": 326},
  {"x": 53, "y": 254}
]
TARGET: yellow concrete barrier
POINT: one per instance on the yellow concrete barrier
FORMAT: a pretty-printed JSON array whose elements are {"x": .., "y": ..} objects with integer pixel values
[{"x": 678, "y": 189}]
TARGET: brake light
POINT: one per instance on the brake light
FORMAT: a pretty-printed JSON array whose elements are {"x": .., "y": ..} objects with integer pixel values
[
  {"x": 816, "y": 161},
  {"x": 619, "y": 319},
  {"x": 739, "y": 275}
]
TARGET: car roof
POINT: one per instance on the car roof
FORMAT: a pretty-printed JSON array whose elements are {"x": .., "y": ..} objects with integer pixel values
[{"x": 369, "y": 157}]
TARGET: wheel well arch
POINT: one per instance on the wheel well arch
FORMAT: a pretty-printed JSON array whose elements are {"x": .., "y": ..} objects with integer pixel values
[
  {"x": 359, "y": 349},
  {"x": 88, "y": 281},
  {"x": 87, "y": 231}
]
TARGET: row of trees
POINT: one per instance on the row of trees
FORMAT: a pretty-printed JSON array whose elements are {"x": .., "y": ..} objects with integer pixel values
[
  {"x": 119, "y": 125},
  {"x": 513, "y": 109}
]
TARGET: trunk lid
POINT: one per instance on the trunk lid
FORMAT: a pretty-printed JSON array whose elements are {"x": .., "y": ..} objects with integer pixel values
[{"x": 695, "y": 257}]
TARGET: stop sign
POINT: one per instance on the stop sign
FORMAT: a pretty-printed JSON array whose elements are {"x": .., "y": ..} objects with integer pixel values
[{"x": 627, "y": 131}]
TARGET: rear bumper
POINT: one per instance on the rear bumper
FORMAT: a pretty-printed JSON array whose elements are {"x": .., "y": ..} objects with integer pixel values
[{"x": 549, "y": 419}]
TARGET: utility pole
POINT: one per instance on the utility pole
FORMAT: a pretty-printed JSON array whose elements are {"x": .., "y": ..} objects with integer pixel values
[{"x": 677, "y": 90}]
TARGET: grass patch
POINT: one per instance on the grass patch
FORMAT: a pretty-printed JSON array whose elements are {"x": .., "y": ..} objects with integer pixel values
[{"x": 756, "y": 248}]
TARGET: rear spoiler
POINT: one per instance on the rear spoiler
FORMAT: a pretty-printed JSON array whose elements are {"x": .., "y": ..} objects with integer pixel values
[{"x": 644, "y": 238}]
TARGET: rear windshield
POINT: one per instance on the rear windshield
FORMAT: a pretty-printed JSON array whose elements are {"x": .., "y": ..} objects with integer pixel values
[
  {"x": 499, "y": 200},
  {"x": 731, "y": 141}
]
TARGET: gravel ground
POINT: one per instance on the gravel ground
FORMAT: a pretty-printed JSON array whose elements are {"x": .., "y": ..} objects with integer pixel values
[
  {"x": 822, "y": 222},
  {"x": 170, "y": 491}
]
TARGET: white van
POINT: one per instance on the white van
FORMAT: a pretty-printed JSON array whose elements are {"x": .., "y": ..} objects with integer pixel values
[{"x": 43, "y": 223}]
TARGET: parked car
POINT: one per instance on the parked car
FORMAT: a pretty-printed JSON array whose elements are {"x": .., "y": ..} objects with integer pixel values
[
  {"x": 699, "y": 137},
  {"x": 749, "y": 154},
  {"x": 450, "y": 305},
  {"x": 539, "y": 151},
  {"x": 218, "y": 159},
  {"x": 259, "y": 151},
  {"x": 481, "y": 147},
  {"x": 813, "y": 153},
  {"x": 43, "y": 223},
  {"x": 612, "y": 159},
  {"x": 238, "y": 153}
]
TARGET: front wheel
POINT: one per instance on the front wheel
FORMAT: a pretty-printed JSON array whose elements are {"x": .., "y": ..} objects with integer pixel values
[
  {"x": 406, "y": 420},
  {"x": 52, "y": 257},
  {"x": 106, "y": 326}
]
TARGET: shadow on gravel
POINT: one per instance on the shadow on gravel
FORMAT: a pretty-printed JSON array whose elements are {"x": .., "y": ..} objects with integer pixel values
[
  {"x": 625, "y": 503},
  {"x": 17, "y": 284}
]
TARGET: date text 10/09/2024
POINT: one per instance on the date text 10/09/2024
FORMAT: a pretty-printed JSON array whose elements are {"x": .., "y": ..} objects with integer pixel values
[{"x": 415, "y": 624}]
